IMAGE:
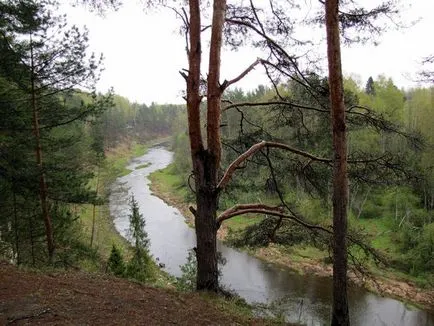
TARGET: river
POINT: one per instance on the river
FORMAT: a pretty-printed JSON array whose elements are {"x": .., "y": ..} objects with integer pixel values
[{"x": 307, "y": 297}]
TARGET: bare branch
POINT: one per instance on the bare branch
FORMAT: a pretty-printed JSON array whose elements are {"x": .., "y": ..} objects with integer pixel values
[
  {"x": 253, "y": 208},
  {"x": 294, "y": 105},
  {"x": 266, "y": 210},
  {"x": 228, "y": 83}
]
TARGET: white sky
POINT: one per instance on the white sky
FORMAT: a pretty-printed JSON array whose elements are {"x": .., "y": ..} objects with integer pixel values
[{"x": 144, "y": 52}]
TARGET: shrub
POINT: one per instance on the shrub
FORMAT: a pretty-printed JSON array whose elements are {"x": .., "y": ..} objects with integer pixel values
[{"x": 115, "y": 264}]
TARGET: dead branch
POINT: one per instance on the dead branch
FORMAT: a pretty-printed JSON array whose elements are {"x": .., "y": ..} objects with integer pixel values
[
  {"x": 227, "y": 83},
  {"x": 293, "y": 105},
  {"x": 242, "y": 207},
  {"x": 29, "y": 316},
  {"x": 266, "y": 210}
]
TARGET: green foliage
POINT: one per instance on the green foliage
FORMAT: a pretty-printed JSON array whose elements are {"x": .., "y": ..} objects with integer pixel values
[
  {"x": 140, "y": 265},
  {"x": 125, "y": 121},
  {"x": 271, "y": 230},
  {"x": 116, "y": 264},
  {"x": 140, "y": 269},
  {"x": 42, "y": 63},
  {"x": 143, "y": 166},
  {"x": 187, "y": 281},
  {"x": 425, "y": 248}
]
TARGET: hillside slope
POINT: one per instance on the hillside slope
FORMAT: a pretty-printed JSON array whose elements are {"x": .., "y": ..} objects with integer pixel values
[{"x": 76, "y": 298}]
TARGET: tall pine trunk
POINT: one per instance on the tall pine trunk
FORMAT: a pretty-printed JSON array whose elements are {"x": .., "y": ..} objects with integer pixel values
[
  {"x": 206, "y": 161},
  {"x": 340, "y": 313},
  {"x": 43, "y": 189},
  {"x": 205, "y": 225}
]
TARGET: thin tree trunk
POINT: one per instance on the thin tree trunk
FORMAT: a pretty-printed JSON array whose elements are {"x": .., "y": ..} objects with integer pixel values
[
  {"x": 94, "y": 210},
  {"x": 43, "y": 190},
  {"x": 32, "y": 242},
  {"x": 363, "y": 203},
  {"x": 272, "y": 236},
  {"x": 340, "y": 314},
  {"x": 17, "y": 248}
]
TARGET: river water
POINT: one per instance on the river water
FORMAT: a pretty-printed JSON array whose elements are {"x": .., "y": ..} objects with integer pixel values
[{"x": 307, "y": 297}]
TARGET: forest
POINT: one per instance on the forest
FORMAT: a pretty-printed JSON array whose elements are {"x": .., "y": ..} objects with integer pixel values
[
  {"x": 264, "y": 164},
  {"x": 55, "y": 136}
]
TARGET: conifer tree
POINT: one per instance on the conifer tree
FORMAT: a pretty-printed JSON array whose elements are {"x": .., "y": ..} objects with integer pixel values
[
  {"x": 115, "y": 264},
  {"x": 139, "y": 265},
  {"x": 43, "y": 63}
]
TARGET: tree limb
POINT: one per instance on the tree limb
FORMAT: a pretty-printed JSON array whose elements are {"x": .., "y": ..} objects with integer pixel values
[
  {"x": 250, "y": 104},
  {"x": 234, "y": 210},
  {"x": 255, "y": 148},
  {"x": 265, "y": 209},
  {"x": 227, "y": 83}
]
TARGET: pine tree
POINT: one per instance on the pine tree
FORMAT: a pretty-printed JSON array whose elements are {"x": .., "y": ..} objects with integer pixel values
[
  {"x": 139, "y": 267},
  {"x": 370, "y": 87},
  {"x": 42, "y": 63},
  {"x": 115, "y": 264}
]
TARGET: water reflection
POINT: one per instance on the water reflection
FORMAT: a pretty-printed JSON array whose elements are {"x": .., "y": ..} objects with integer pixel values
[{"x": 307, "y": 297}]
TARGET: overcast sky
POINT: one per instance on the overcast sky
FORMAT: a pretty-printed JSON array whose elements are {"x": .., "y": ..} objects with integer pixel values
[{"x": 144, "y": 52}]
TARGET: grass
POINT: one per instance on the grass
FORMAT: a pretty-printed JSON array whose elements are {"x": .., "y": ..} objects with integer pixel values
[
  {"x": 170, "y": 182},
  {"x": 381, "y": 232},
  {"x": 302, "y": 251},
  {"x": 142, "y": 166},
  {"x": 237, "y": 223},
  {"x": 105, "y": 233},
  {"x": 118, "y": 158},
  {"x": 114, "y": 167}
]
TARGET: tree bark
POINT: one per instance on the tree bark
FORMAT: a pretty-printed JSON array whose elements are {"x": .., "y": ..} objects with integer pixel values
[
  {"x": 214, "y": 90},
  {"x": 340, "y": 313},
  {"x": 204, "y": 165},
  {"x": 43, "y": 189},
  {"x": 206, "y": 225},
  {"x": 208, "y": 162}
]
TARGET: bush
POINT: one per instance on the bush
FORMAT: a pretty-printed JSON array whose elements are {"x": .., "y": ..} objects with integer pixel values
[
  {"x": 417, "y": 247},
  {"x": 187, "y": 281},
  {"x": 140, "y": 268},
  {"x": 115, "y": 264}
]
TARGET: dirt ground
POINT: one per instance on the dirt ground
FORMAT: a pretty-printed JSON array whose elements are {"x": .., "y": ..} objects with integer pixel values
[{"x": 77, "y": 298}]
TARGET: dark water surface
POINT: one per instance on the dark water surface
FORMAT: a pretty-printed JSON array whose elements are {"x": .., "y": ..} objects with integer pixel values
[{"x": 309, "y": 296}]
